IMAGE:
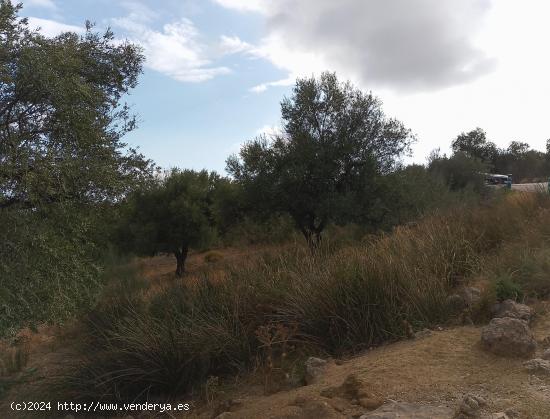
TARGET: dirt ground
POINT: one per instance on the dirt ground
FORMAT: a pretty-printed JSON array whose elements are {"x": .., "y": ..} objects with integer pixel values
[{"x": 438, "y": 369}]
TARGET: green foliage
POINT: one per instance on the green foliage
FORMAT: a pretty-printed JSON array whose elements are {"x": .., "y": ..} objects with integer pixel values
[
  {"x": 413, "y": 192},
  {"x": 48, "y": 267},
  {"x": 166, "y": 346},
  {"x": 507, "y": 289},
  {"x": 251, "y": 231},
  {"x": 335, "y": 140},
  {"x": 62, "y": 164},
  {"x": 474, "y": 144},
  {"x": 524, "y": 164},
  {"x": 172, "y": 216},
  {"x": 518, "y": 159},
  {"x": 460, "y": 171},
  {"x": 61, "y": 116}
]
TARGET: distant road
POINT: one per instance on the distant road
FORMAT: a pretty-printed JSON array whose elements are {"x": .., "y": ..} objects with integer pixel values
[{"x": 530, "y": 187}]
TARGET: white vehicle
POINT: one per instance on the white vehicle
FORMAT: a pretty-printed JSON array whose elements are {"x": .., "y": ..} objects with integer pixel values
[{"x": 496, "y": 180}]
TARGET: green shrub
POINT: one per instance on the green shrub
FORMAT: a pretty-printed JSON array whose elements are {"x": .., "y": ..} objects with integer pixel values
[
  {"x": 49, "y": 269},
  {"x": 507, "y": 289}
]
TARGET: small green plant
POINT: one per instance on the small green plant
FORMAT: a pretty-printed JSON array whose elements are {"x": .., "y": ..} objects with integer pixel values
[{"x": 507, "y": 289}]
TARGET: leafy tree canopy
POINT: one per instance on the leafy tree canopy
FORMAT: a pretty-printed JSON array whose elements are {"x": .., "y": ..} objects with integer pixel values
[
  {"x": 172, "y": 216},
  {"x": 62, "y": 164},
  {"x": 61, "y": 116},
  {"x": 474, "y": 144},
  {"x": 335, "y": 140}
]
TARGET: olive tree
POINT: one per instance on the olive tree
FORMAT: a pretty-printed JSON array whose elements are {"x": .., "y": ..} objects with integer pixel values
[
  {"x": 474, "y": 144},
  {"x": 62, "y": 163},
  {"x": 172, "y": 216},
  {"x": 62, "y": 117},
  {"x": 335, "y": 141}
]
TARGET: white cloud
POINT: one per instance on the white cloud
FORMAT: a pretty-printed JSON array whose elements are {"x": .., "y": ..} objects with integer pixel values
[
  {"x": 234, "y": 45},
  {"x": 176, "y": 50},
  {"x": 47, "y": 4},
  {"x": 51, "y": 28},
  {"x": 414, "y": 46},
  {"x": 260, "y": 6},
  {"x": 269, "y": 131},
  {"x": 288, "y": 81}
]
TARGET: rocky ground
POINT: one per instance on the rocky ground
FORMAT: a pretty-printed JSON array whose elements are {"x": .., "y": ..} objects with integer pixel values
[{"x": 451, "y": 373}]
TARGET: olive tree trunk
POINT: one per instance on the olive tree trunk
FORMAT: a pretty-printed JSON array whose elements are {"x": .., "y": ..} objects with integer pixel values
[{"x": 181, "y": 256}]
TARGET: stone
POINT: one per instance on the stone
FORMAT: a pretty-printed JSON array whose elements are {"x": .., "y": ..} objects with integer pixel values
[
  {"x": 314, "y": 368},
  {"x": 456, "y": 303},
  {"x": 470, "y": 406},
  {"x": 471, "y": 296},
  {"x": 353, "y": 388},
  {"x": 538, "y": 366},
  {"x": 424, "y": 333},
  {"x": 371, "y": 403},
  {"x": 546, "y": 354},
  {"x": 404, "y": 410},
  {"x": 509, "y": 308},
  {"x": 338, "y": 404},
  {"x": 545, "y": 343},
  {"x": 507, "y": 414},
  {"x": 512, "y": 413},
  {"x": 508, "y": 337}
]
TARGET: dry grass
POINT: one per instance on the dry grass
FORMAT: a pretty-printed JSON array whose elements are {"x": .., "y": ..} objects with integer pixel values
[{"x": 166, "y": 342}]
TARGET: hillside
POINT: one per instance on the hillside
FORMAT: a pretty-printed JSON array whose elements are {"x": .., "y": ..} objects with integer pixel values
[{"x": 439, "y": 369}]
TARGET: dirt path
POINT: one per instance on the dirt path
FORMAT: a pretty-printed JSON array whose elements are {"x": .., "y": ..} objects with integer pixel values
[{"x": 438, "y": 370}]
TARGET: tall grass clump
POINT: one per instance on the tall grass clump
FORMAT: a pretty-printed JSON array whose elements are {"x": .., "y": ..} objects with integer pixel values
[{"x": 338, "y": 299}]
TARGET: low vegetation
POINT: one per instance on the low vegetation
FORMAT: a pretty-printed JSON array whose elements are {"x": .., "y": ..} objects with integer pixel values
[{"x": 337, "y": 302}]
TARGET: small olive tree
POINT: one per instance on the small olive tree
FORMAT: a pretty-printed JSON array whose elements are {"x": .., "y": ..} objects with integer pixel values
[
  {"x": 174, "y": 215},
  {"x": 335, "y": 142}
]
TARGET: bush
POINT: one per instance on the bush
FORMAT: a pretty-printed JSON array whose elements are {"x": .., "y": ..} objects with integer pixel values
[
  {"x": 49, "y": 269},
  {"x": 336, "y": 301},
  {"x": 275, "y": 230},
  {"x": 506, "y": 289}
]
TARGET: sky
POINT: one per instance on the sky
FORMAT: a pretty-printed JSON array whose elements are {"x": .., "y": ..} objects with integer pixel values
[{"x": 216, "y": 70}]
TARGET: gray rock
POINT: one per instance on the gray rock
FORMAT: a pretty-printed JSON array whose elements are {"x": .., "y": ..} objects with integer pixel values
[
  {"x": 510, "y": 308},
  {"x": 500, "y": 415},
  {"x": 314, "y": 368},
  {"x": 508, "y": 337},
  {"x": 424, "y": 333},
  {"x": 546, "y": 354},
  {"x": 538, "y": 366},
  {"x": 471, "y": 295},
  {"x": 456, "y": 303},
  {"x": 470, "y": 406},
  {"x": 403, "y": 410}
]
